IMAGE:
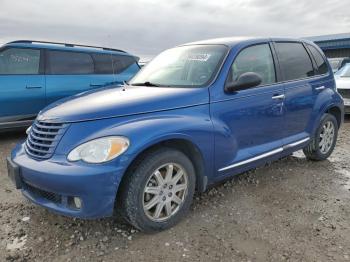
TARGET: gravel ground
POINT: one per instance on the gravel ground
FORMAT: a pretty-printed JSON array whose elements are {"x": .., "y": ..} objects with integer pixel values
[{"x": 292, "y": 209}]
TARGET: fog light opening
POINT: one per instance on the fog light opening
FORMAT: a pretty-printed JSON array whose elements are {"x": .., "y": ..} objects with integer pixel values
[{"x": 74, "y": 202}]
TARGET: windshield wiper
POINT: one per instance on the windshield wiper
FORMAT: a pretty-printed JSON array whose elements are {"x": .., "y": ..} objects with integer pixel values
[{"x": 147, "y": 83}]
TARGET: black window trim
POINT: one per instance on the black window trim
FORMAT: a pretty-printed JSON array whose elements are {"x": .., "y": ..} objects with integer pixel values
[
  {"x": 41, "y": 71},
  {"x": 277, "y": 69},
  {"x": 298, "y": 79}
]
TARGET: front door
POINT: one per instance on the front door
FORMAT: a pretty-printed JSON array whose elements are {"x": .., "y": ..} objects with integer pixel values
[
  {"x": 22, "y": 86},
  {"x": 249, "y": 123}
]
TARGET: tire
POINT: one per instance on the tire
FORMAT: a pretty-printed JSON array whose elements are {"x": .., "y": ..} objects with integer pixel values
[
  {"x": 314, "y": 151},
  {"x": 137, "y": 206}
]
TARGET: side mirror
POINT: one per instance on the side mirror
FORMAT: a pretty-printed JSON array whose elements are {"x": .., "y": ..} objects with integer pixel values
[{"x": 244, "y": 81}]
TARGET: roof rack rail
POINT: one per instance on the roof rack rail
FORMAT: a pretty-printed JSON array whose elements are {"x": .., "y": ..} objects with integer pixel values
[{"x": 65, "y": 44}]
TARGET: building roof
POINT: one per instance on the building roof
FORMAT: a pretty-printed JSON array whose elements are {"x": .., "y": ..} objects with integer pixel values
[{"x": 333, "y": 37}]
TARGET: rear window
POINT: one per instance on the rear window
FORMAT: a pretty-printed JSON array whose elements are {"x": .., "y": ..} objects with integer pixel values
[
  {"x": 18, "y": 61},
  {"x": 69, "y": 63},
  {"x": 294, "y": 61},
  {"x": 112, "y": 64},
  {"x": 321, "y": 64}
]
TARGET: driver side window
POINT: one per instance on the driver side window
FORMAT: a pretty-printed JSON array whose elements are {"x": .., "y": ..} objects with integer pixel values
[
  {"x": 257, "y": 59},
  {"x": 19, "y": 61}
]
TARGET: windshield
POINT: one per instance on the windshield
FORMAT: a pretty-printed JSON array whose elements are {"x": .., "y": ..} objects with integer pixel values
[
  {"x": 184, "y": 66},
  {"x": 344, "y": 71}
]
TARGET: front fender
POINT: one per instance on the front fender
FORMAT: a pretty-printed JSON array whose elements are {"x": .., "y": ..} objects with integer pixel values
[{"x": 192, "y": 124}]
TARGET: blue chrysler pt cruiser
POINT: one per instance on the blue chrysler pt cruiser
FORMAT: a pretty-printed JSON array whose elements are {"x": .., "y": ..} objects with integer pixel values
[{"x": 195, "y": 115}]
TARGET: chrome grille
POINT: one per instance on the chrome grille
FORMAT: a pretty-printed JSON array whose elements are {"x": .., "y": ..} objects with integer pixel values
[
  {"x": 345, "y": 93},
  {"x": 43, "y": 138}
]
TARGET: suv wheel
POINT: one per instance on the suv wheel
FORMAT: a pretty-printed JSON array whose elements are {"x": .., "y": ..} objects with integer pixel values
[
  {"x": 322, "y": 145},
  {"x": 158, "y": 190}
]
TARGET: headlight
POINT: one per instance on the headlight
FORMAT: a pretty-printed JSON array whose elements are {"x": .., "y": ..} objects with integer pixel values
[{"x": 100, "y": 150}]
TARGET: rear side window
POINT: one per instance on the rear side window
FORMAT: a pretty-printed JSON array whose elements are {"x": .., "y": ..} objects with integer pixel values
[
  {"x": 321, "y": 64},
  {"x": 103, "y": 64},
  {"x": 112, "y": 64},
  {"x": 294, "y": 61},
  {"x": 257, "y": 59},
  {"x": 69, "y": 63},
  {"x": 19, "y": 61}
]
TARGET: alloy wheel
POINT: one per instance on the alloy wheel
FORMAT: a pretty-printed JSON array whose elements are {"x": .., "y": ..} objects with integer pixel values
[
  {"x": 326, "y": 137},
  {"x": 165, "y": 192}
]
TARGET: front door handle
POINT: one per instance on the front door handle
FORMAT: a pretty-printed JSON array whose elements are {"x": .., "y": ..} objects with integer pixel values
[
  {"x": 320, "y": 88},
  {"x": 278, "y": 97},
  {"x": 33, "y": 87}
]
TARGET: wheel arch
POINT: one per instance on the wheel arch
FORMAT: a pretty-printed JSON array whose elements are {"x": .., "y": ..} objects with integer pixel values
[
  {"x": 332, "y": 108},
  {"x": 186, "y": 146},
  {"x": 336, "y": 112}
]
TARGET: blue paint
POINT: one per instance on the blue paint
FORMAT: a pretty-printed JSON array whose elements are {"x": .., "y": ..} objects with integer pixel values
[
  {"x": 226, "y": 128},
  {"x": 22, "y": 96}
]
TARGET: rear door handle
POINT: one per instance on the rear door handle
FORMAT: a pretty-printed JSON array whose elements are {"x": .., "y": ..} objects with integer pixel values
[
  {"x": 278, "y": 97},
  {"x": 320, "y": 88},
  {"x": 33, "y": 87},
  {"x": 96, "y": 85}
]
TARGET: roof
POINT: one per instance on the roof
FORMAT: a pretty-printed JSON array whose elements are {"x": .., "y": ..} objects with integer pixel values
[
  {"x": 64, "y": 46},
  {"x": 232, "y": 41}
]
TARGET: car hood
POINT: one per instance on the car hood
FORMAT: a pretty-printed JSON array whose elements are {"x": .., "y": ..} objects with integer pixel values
[
  {"x": 122, "y": 101},
  {"x": 343, "y": 82}
]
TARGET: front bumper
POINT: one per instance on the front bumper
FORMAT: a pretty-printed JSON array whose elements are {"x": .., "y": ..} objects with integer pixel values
[{"x": 54, "y": 182}]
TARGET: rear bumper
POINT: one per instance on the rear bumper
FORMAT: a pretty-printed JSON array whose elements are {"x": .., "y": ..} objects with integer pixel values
[
  {"x": 347, "y": 109},
  {"x": 53, "y": 183}
]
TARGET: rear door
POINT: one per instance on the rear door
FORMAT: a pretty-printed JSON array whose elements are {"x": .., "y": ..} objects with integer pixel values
[
  {"x": 297, "y": 72},
  {"x": 67, "y": 73},
  {"x": 22, "y": 84}
]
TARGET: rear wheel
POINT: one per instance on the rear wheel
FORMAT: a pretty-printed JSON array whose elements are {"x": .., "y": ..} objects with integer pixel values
[
  {"x": 322, "y": 145},
  {"x": 158, "y": 190}
]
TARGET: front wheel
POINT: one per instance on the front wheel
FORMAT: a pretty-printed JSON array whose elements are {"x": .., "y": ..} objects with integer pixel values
[
  {"x": 323, "y": 143},
  {"x": 158, "y": 190}
]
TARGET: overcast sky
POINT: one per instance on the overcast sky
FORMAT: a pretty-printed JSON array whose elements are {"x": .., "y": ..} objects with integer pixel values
[{"x": 148, "y": 27}]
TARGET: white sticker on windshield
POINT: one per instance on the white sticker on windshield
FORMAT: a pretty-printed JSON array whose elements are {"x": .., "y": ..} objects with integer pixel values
[{"x": 199, "y": 57}]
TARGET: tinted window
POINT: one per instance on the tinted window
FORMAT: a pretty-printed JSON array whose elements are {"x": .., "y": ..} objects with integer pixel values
[
  {"x": 122, "y": 63},
  {"x": 69, "y": 63},
  {"x": 257, "y": 59},
  {"x": 109, "y": 64},
  {"x": 294, "y": 60},
  {"x": 103, "y": 64},
  {"x": 15, "y": 61},
  {"x": 320, "y": 62}
]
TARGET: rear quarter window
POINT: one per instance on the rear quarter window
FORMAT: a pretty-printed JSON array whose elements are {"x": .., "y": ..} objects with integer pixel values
[
  {"x": 294, "y": 60},
  {"x": 112, "y": 64},
  {"x": 122, "y": 63},
  {"x": 321, "y": 64},
  {"x": 69, "y": 63}
]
